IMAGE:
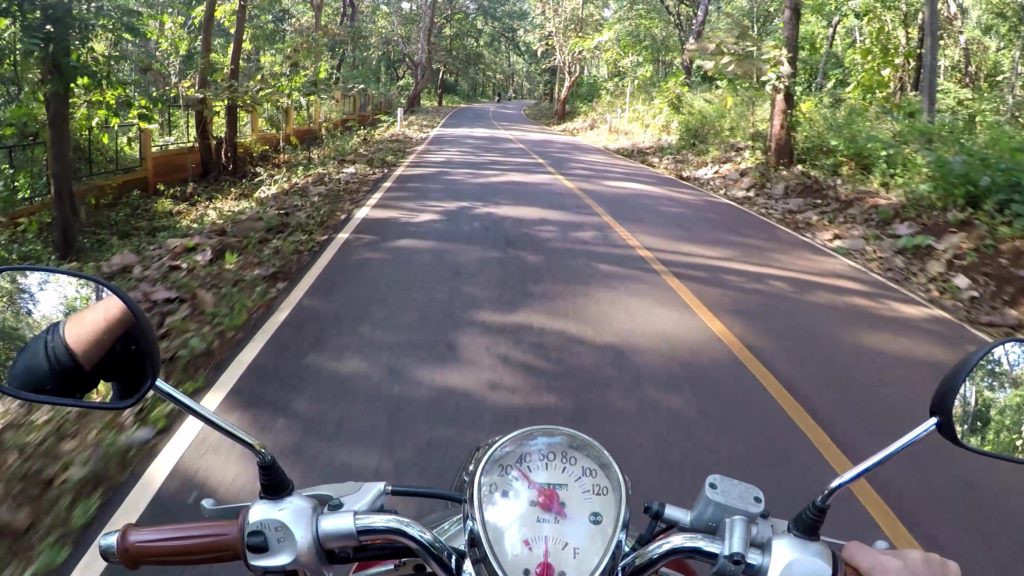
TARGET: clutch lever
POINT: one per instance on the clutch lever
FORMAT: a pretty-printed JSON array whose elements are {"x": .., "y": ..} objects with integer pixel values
[{"x": 354, "y": 496}]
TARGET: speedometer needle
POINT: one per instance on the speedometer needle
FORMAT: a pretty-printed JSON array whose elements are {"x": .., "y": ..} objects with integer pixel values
[{"x": 547, "y": 498}]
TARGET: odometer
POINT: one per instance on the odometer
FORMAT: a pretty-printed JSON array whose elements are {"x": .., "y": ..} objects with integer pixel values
[{"x": 549, "y": 501}]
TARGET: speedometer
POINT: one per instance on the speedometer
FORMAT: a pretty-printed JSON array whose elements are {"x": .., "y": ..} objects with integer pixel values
[{"x": 546, "y": 501}]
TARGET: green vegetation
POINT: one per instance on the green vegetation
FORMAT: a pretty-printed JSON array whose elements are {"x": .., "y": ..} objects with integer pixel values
[{"x": 857, "y": 113}]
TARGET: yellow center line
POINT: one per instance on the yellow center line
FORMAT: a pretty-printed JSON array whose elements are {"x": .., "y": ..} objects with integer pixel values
[{"x": 879, "y": 510}]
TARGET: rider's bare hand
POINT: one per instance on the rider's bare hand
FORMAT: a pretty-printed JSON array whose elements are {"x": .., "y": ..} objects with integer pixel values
[{"x": 871, "y": 562}]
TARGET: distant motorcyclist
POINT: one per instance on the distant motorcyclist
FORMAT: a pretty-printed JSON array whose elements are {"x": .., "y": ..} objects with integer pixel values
[
  {"x": 70, "y": 357},
  {"x": 497, "y": 97}
]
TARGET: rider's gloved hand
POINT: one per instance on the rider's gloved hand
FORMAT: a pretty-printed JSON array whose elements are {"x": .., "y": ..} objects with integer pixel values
[{"x": 871, "y": 562}]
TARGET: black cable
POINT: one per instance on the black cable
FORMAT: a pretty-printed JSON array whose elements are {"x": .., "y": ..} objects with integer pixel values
[
  {"x": 431, "y": 493},
  {"x": 664, "y": 530},
  {"x": 370, "y": 553}
]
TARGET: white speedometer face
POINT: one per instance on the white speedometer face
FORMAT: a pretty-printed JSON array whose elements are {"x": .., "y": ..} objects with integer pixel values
[{"x": 550, "y": 502}]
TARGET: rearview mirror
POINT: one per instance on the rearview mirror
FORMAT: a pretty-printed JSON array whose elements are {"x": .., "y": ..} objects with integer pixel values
[
  {"x": 73, "y": 340},
  {"x": 980, "y": 403}
]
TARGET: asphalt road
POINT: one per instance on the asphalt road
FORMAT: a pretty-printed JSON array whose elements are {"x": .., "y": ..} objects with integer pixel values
[{"x": 482, "y": 294}]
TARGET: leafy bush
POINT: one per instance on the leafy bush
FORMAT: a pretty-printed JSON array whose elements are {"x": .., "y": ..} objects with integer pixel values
[
  {"x": 969, "y": 159},
  {"x": 711, "y": 120}
]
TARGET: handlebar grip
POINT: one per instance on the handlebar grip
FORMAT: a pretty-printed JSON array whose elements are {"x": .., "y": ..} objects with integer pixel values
[
  {"x": 181, "y": 544},
  {"x": 851, "y": 571}
]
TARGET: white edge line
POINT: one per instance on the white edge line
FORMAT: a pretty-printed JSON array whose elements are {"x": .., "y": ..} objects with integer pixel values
[
  {"x": 154, "y": 476},
  {"x": 825, "y": 249}
]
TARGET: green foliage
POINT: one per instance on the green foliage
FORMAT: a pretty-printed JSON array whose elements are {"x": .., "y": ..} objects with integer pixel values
[
  {"x": 914, "y": 242},
  {"x": 968, "y": 160}
]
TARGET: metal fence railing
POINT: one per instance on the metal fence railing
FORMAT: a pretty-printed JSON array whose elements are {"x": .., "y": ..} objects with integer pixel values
[
  {"x": 23, "y": 175},
  {"x": 118, "y": 148},
  {"x": 111, "y": 149},
  {"x": 175, "y": 127}
]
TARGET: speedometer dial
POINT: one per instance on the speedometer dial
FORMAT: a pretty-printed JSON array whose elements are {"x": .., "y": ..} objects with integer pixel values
[{"x": 549, "y": 501}]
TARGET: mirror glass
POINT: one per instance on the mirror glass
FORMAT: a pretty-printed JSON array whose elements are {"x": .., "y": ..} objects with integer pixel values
[
  {"x": 68, "y": 338},
  {"x": 989, "y": 409}
]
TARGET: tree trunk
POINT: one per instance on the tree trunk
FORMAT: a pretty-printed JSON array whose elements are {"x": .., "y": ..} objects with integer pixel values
[
  {"x": 819, "y": 82},
  {"x": 901, "y": 80},
  {"x": 440, "y": 87},
  {"x": 317, "y": 6},
  {"x": 231, "y": 110},
  {"x": 203, "y": 120},
  {"x": 349, "y": 16},
  {"x": 959, "y": 12},
  {"x": 696, "y": 33},
  {"x": 56, "y": 77},
  {"x": 563, "y": 96},
  {"x": 929, "y": 59},
  {"x": 554, "y": 88},
  {"x": 1015, "y": 72},
  {"x": 422, "y": 65},
  {"x": 915, "y": 84},
  {"x": 780, "y": 145}
]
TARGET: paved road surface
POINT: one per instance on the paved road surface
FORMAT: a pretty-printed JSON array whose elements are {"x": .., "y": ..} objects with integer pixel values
[{"x": 482, "y": 294}]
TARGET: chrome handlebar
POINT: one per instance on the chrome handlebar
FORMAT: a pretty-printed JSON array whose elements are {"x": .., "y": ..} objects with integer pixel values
[
  {"x": 683, "y": 546},
  {"x": 444, "y": 561},
  {"x": 441, "y": 558}
]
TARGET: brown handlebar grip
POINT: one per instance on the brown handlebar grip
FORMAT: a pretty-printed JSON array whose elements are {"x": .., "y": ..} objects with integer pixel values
[{"x": 181, "y": 544}]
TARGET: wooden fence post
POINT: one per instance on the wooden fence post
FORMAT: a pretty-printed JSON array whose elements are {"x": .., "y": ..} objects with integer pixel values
[
  {"x": 289, "y": 120},
  {"x": 254, "y": 123},
  {"x": 146, "y": 150}
]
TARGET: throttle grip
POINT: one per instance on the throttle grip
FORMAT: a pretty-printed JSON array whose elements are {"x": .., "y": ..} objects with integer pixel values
[{"x": 194, "y": 543}]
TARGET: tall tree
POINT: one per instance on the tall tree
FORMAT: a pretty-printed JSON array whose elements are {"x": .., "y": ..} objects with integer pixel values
[
  {"x": 696, "y": 33},
  {"x": 346, "y": 24},
  {"x": 780, "y": 143},
  {"x": 958, "y": 11},
  {"x": 57, "y": 75},
  {"x": 930, "y": 59},
  {"x": 203, "y": 121},
  {"x": 819, "y": 82},
  {"x": 688, "y": 19},
  {"x": 566, "y": 32},
  {"x": 421, "y": 63},
  {"x": 230, "y": 156}
]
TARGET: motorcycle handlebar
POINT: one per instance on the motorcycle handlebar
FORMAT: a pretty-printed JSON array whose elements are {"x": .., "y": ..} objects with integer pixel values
[
  {"x": 684, "y": 546},
  {"x": 194, "y": 543}
]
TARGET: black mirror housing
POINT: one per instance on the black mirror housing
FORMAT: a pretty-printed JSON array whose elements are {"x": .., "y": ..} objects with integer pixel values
[
  {"x": 945, "y": 397},
  {"x": 145, "y": 352}
]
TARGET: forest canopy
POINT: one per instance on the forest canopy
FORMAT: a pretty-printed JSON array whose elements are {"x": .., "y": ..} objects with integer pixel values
[{"x": 920, "y": 98}]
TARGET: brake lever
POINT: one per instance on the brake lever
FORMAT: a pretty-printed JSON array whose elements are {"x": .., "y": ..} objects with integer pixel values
[
  {"x": 213, "y": 510},
  {"x": 354, "y": 496}
]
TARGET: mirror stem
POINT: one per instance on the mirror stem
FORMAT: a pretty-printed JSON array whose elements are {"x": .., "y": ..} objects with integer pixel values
[
  {"x": 208, "y": 417},
  {"x": 807, "y": 524},
  {"x": 879, "y": 458},
  {"x": 274, "y": 482}
]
